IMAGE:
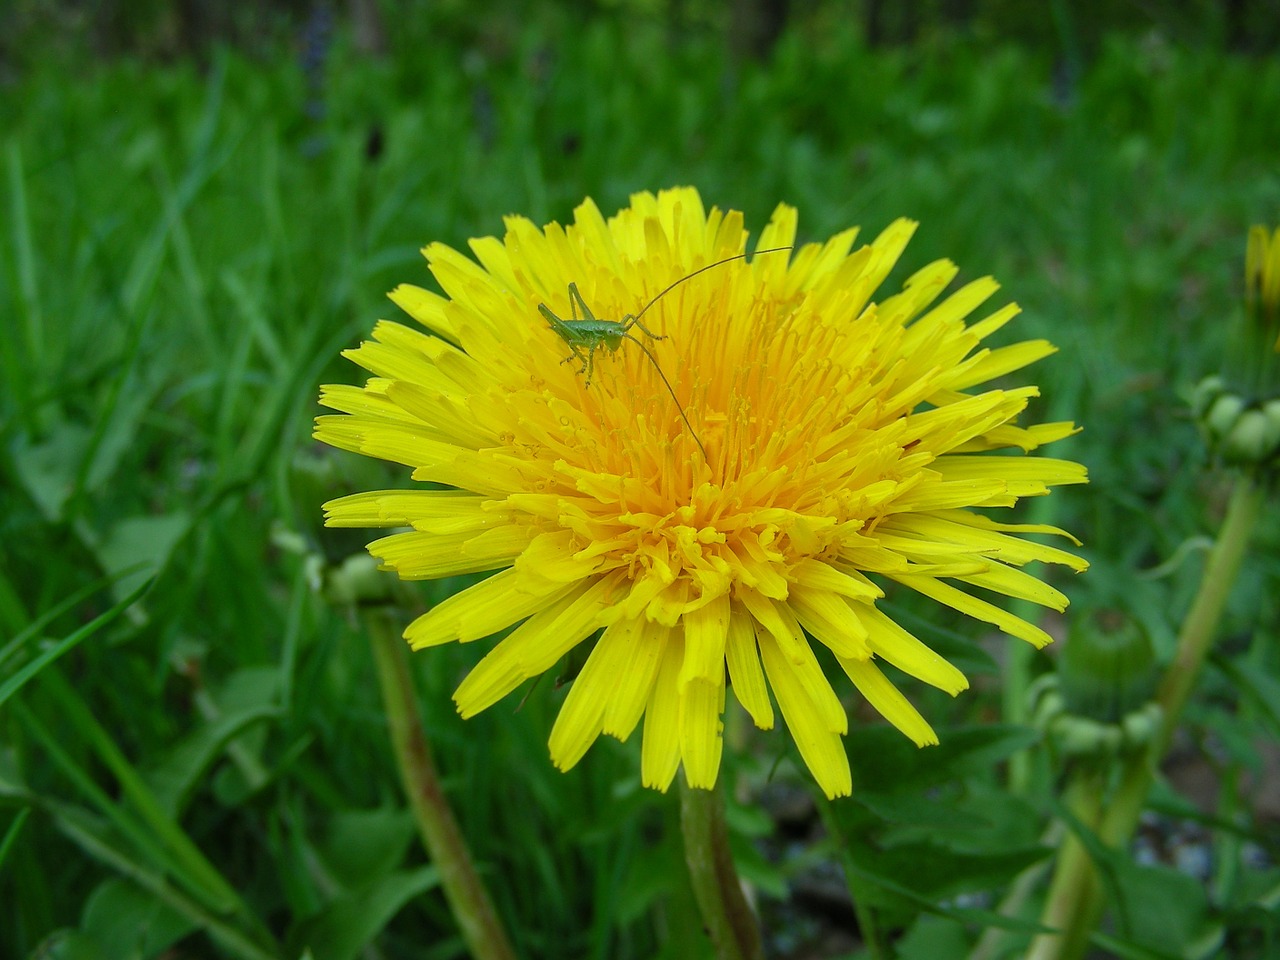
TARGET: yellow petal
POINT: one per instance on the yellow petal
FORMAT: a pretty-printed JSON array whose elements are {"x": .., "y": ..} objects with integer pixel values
[
  {"x": 484, "y": 609},
  {"x": 744, "y": 669},
  {"x": 979, "y": 609},
  {"x": 427, "y": 556},
  {"x": 645, "y": 645},
  {"x": 895, "y": 645},
  {"x": 822, "y": 576},
  {"x": 778, "y": 621},
  {"x": 660, "y": 752},
  {"x": 581, "y": 719},
  {"x": 533, "y": 647},
  {"x": 819, "y": 746},
  {"x": 705, "y": 630},
  {"x": 429, "y": 309},
  {"x": 1034, "y": 472},
  {"x": 411, "y": 508},
  {"x": 831, "y": 619},
  {"x": 701, "y": 730},
  {"x": 889, "y": 701}
]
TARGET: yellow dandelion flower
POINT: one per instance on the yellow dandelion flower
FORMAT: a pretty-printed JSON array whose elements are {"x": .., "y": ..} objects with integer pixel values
[{"x": 846, "y": 446}]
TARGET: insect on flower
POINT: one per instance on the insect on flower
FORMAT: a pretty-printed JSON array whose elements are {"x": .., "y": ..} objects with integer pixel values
[
  {"x": 851, "y": 452},
  {"x": 589, "y": 333}
]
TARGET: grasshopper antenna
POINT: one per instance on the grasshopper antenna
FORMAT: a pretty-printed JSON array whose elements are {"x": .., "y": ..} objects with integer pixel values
[
  {"x": 667, "y": 383},
  {"x": 690, "y": 276}
]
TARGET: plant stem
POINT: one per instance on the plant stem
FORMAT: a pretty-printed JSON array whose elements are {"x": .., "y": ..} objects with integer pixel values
[
  {"x": 1201, "y": 625},
  {"x": 485, "y": 936},
  {"x": 1194, "y": 643},
  {"x": 1076, "y": 901},
  {"x": 728, "y": 917},
  {"x": 1072, "y": 892}
]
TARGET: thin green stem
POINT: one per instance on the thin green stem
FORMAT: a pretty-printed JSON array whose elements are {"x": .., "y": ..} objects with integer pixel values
[
  {"x": 728, "y": 917},
  {"x": 1072, "y": 892},
  {"x": 469, "y": 901},
  {"x": 1076, "y": 901},
  {"x": 1194, "y": 643}
]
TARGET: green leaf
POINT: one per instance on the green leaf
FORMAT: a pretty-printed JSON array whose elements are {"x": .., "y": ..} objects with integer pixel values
[
  {"x": 365, "y": 845},
  {"x": 11, "y": 834},
  {"x": 70, "y": 945},
  {"x": 19, "y": 678},
  {"x": 1160, "y": 909},
  {"x": 883, "y": 760},
  {"x": 141, "y": 544},
  {"x": 950, "y": 872},
  {"x": 130, "y": 924},
  {"x": 917, "y": 809},
  {"x": 874, "y": 877},
  {"x": 351, "y": 922},
  {"x": 174, "y": 779},
  {"x": 48, "y": 470},
  {"x": 932, "y": 937}
]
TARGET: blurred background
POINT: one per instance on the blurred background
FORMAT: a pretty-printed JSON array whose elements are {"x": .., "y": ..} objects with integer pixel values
[{"x": 201, "y": 204}]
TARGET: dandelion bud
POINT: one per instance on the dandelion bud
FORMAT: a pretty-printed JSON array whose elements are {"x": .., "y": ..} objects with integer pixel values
[
  {"x": 1220, "y": 419},
  {"x": 357, "y": 580},
  {"x": 1079, "y": 736},
  {"x": 1106, "y": 668},
  {"x": 1248, "y": 440},
  {"x": 1141, "y": 726},
  {"x": 1239, "y": 412},
  {"x": 1101, "y": 706},
  {"x": 1206, "y": 392}
]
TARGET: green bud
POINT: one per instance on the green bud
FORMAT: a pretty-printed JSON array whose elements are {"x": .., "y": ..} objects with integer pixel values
[
  {"x": 1141, "y": 726},
  {"x": 1271, "y": 410},
  {"x": 1222, "y": 415},
  {"x": 1205, "y": 393},
  {"x": 1045, "y": 701},
  {"x": 1107, "y": 667},
  {"x": 1248, "y": 440},
  {"x": 1077, "y": 736},
  {"x": 358, "y": 580}
]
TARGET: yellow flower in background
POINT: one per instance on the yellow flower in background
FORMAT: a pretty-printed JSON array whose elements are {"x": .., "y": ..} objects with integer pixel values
[
  {"x": 843, "y": 438},
  {"x": 1262, "y": 280}
]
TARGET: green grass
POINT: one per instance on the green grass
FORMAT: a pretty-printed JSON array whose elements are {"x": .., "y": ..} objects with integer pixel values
[{"x": 182, "y": 256}]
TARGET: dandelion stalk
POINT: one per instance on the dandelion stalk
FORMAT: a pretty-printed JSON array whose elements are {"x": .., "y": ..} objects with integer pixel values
[
  {"x": 728, "y": 917},
  {"x": 1074, "y": 904},
  {"x": 1194, "y": 643},
  {"x": 1073, "y": 891},
  {"x": 469, "y": 901}
]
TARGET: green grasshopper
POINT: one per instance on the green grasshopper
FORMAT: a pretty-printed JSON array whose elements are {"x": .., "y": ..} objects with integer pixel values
[{"x": 585, "y": 333}]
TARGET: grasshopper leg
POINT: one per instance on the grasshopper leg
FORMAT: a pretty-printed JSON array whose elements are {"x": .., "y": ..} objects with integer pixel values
[{"x": 630, "y": 320}]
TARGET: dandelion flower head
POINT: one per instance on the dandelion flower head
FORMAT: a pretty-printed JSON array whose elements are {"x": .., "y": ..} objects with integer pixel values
[{"x": 835, "y": 444}]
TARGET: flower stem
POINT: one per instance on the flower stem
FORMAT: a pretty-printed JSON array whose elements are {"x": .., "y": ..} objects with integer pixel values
[
  {"x": 1075, "y": 896},
  {"x": 1073, "y": 890},
  {"x": 728, "y": 917},
  {"x": 1194, "y": 643},
  {"x": 485, "y": 936}
]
